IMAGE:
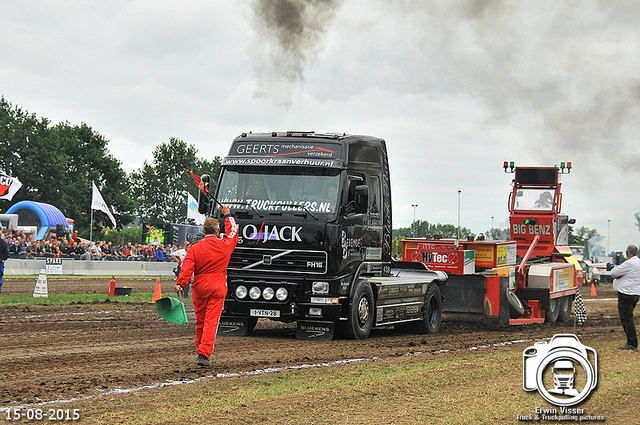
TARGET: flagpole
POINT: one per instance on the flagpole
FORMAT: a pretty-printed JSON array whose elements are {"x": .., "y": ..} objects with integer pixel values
[
  {"x": 91, "y": 208},
  {"x": 91, "y": 228}
]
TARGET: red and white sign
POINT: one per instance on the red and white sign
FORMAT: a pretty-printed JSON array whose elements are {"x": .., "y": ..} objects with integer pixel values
[
  {"x": 8, "y": 186},
  {"x": 440, "y": 256}
]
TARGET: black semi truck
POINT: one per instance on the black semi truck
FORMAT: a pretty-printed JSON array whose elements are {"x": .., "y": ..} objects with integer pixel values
[{"x": 314, "y": 212}]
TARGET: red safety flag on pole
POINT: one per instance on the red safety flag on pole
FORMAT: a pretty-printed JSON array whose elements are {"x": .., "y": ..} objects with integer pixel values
[{"x": 203, "y": 188}]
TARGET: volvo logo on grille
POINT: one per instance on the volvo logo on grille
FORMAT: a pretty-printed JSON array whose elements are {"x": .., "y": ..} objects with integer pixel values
[{"x": 266, "y": 260}]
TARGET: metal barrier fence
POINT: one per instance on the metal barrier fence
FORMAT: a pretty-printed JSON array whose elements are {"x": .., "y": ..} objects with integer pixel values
[{"x": 27, "y": 267}]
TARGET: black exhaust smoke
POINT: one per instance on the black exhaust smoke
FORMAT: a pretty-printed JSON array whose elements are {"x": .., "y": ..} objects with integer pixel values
[{"x": 289, "y": 34}]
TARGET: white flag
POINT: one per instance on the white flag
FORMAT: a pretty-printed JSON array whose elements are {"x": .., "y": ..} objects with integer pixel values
[
  {"x": 8, "y": 186},
  {"x": 192, "y": 210},
  {"x": 97, "y": 203}
]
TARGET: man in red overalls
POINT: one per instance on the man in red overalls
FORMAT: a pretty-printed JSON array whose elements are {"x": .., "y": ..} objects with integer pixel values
[{"x": 207, "y": 260}]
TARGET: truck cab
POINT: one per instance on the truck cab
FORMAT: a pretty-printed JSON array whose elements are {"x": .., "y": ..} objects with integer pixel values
[{"x": 314, "y": 212}]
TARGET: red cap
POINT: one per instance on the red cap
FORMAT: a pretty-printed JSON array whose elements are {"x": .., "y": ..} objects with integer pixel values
[{"x": 186, "y": 242}]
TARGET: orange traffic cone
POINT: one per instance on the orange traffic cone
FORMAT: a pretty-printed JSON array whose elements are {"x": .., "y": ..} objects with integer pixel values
[
  {"x": 157, "y": 293},
  {"x": 593, "y": 290},
  {"x": 112, "y": 286}
]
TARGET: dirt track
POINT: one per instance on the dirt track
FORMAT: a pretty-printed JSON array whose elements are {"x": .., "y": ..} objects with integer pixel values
[{"x": 61, "y": 352}]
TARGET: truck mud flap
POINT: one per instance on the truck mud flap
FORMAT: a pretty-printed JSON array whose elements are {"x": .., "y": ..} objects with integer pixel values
[
  {"x": 237, "y": 327},
  {"x": 319, "y": 331}
]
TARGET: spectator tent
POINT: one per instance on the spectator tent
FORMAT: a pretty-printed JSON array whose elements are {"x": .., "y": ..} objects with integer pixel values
[{"x": 44, "y": 216}]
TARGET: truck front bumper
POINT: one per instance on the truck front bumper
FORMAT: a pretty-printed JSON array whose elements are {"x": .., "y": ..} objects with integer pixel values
[{"x": 288, "y": 312}]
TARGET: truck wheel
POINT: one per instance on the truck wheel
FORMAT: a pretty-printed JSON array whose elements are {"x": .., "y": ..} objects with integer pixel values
[
  {"x": 551, "y": 315},
  {"x": 565, "y": 309},
  {"x": 431, "y": 312},
  {"x": 516, "y": 309},
  {"x": 360, "y": 320}
]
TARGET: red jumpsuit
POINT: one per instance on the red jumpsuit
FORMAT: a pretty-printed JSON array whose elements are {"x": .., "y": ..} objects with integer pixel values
[{"x": 208, "y": 259}]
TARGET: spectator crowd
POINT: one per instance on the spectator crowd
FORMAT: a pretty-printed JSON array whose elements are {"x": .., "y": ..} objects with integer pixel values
[{"x": 22, "y": 245}]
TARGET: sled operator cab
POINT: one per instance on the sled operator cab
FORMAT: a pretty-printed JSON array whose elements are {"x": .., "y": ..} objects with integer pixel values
[
  {"x": 534, "y": 207},
  {"x": 549, "y": 272}
]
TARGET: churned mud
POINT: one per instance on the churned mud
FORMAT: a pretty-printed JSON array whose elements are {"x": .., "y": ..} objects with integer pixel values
[{"x": 81, "y": 350}]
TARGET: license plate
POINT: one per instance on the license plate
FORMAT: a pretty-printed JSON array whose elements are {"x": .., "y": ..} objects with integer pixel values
[{"x": 264, "y": 313}]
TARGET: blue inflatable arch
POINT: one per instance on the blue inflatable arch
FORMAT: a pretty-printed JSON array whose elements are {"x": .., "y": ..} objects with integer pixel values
[{"x": 44, "y": 216}]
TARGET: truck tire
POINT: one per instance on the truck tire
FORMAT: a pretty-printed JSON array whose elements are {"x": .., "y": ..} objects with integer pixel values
[
  {"x": 360, "y": 316},
  {"x": 516, "y": 309},
  {"x": 552, "y": 313},
  {"x": 565, "y": 309},
  {"x": 431, "y": 312}
]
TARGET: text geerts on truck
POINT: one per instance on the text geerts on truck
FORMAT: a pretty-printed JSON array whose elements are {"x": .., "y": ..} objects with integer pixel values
[
  {"x": 310, "y": 154},
  {"x": 314, "y": 212}
]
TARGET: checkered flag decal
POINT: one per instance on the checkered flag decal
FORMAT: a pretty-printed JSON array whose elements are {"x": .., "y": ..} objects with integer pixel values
[{"x": 579, "y": 309}]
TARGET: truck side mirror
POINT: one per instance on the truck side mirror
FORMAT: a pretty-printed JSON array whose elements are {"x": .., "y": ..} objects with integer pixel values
[{"x": 361, "y": 199}]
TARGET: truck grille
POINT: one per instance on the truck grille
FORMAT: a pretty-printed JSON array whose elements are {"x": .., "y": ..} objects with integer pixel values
[{"x": 279, "y": 260}]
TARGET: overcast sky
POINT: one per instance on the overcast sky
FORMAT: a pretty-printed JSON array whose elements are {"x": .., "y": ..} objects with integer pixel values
[{"x": 454, "y": 87}]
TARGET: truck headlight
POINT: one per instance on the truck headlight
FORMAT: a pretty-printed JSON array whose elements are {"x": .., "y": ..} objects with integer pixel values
[
  {"x": 282, "y": 294},
  {"x": 254, "y": 293},
  {"x": 320, "y": 288},
  {"x": 241, "y": 291},
  {"x": 268, "y": 293}
]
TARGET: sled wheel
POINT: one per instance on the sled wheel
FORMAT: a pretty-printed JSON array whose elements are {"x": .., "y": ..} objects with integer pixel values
[
  {"x": 565, "y": 309},
  {"x": 551, "y": 316},
  {"x": 516, "y": 309}
]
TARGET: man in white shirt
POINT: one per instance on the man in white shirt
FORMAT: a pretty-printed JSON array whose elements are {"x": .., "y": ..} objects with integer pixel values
[
  {"x": 178, "y": 257},
  {"x": 627, "y": 283}
]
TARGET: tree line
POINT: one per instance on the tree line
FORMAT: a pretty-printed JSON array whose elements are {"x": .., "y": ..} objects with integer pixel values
[{"x": 57, "y": 163}]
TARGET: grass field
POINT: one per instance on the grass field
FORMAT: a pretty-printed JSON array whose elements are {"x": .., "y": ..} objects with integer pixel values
[
  {"x": 476, "y": 384},
  {"x": 13, "y": 300},
  {"x": 460, "y": 388}
]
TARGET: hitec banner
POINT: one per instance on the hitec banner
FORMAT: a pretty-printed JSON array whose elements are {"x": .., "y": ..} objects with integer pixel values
[{"x": 8, "y": 186}]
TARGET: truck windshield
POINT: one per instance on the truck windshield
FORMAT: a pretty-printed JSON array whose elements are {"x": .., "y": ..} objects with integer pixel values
[
  {"x": 280, "y": 189},
  {"x": 534, "y": 199}
]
